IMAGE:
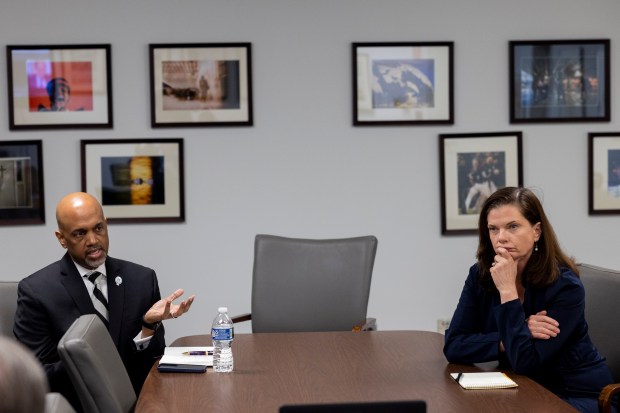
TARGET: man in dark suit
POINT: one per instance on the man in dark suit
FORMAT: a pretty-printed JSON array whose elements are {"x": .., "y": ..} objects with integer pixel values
[{"x": 51, "y": 299}]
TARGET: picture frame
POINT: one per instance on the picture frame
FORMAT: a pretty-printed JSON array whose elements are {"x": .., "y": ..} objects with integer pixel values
[
  {"x": 560, "y": 81},
  {"x": 22, "y": 198},
  {"x": 472, "y": 166},
  {"x": 424, "y": 96},
  {"x": 135, "y": 180},
  {"x": 604, "y": 173},
  {"x": 59, "y": 86},
  {"x": 201, "y": 84}
]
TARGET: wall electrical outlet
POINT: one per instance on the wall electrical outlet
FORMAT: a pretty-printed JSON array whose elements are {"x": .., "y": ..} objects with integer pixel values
[{"x": 442, "y": 325}]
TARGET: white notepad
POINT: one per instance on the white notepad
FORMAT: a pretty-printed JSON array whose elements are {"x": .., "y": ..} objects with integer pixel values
[
  {"x": 484, "y": 380},
  {"x": 176, "y": 355}
]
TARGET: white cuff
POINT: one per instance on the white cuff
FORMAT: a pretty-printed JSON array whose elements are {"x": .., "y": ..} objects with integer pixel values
[{"x": 141, "y": 343}]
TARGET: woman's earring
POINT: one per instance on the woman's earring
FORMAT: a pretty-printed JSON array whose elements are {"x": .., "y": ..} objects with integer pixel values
[{"x": 535, "y": 246}]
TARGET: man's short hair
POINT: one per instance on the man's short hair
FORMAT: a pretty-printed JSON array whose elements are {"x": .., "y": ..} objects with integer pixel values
[{"x": 51, "y": 85}]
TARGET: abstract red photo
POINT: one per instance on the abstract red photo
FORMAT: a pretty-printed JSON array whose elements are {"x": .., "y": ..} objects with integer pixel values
[{"x": 59, "y": 86}]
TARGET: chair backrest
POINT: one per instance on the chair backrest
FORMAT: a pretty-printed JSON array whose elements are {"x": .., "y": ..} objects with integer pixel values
[
  {"x": 95, "y": 367},
  {"x": 8, "y": 305},
  {"x": 311, "y": 285},
  {"x": 56, "y": 403},
  {"x": 602, "y": 288}
]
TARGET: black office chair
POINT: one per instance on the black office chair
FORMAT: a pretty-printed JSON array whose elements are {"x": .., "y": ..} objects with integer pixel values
[
  {"x": 602, "y": 287},
  {"x": 95, "y": 367},
  {"x": 311, "y": 285},
  {"x": 407, "y": 406}
]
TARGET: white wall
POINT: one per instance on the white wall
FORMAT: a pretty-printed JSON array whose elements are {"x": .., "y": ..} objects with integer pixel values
[{"x": 303, "y": 169}]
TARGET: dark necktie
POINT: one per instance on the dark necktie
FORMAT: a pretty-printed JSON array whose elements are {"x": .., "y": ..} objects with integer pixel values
[{"x": 100, "y": 302}]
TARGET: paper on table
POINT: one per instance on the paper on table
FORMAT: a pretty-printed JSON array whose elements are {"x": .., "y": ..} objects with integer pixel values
[
  {"x": 484, "y": 380},
  {"x": 174, "y": 355}
]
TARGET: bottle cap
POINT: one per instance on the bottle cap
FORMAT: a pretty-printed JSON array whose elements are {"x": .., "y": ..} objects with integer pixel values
[{"x": 222, "y": 309}]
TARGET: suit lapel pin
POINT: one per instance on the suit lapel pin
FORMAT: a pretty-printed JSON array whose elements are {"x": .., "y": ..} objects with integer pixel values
[{"x": 118, "y": 280}]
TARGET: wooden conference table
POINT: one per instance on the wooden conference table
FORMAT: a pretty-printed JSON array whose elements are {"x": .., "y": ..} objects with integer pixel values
[{"x": 272, "y": 369}]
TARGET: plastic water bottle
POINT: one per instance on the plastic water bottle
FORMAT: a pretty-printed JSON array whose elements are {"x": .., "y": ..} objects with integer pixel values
[{"x": 222, "y": 336}]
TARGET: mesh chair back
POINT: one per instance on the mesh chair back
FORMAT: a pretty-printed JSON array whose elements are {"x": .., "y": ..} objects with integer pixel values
[
  {"x": 8, "y": 305},
  {"x": 311, "y": 285},
  {"x": 602, "y": 288}
]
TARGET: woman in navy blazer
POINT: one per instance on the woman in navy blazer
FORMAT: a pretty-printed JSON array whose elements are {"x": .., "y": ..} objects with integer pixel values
[{"x": 523, "y": 304}]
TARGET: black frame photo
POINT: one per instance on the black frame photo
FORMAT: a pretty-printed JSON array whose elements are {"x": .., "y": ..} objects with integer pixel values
[
  {"x": 22, "y": 199},
  {"x": 59, "y": 86},
  {"x": 560, "y": 81},
  {"x": 604, "y": 173},
  {"x": 403, "y": 83},
  {"x": 208, "y": 84},
  {"x": 472, "y": 167},
  {"x": 135, "y": 180}
]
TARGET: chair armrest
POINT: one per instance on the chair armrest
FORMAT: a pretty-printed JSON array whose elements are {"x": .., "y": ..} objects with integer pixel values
[
  {"x": 369, "y": 325},
  {"x": 606, "y": 397},
  {"x": 242, "y": 317}
]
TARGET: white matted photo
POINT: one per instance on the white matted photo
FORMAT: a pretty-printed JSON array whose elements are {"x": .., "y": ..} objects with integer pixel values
[
  {"x": 200, "y": 84},
  {"x": 472, "y": 167},
  {"x": 604, "y": 173},
  {"x": 135, "y": 180},
  {"x": 403, "y": 83},
  {"x": 59, "y": 87}
]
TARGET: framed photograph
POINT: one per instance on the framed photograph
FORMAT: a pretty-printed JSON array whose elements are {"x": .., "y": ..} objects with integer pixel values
[
  {"x": 403, "y": 83},
  {"x": 201, "y": 84},
  {"x": 22, "y": 201},
  {"x": 135, "y": 180},
  {"x": 472, "y": 167},
  {"x": 559, "y": 81},
  {"x": 59, "y": 87},
  {"x": 604, "y": 173}
]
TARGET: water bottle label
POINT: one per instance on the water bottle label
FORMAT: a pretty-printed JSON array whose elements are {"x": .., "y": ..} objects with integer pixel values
[{"x": 222, "y": 333}]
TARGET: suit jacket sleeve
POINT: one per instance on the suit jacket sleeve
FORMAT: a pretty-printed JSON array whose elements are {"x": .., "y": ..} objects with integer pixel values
[
  {"x": 40, "y": 323},
  {"x": 140, "y": 292},
  {"x": 31, "y": 328},
  {"x": 472, "y": 336},
  {"x": 564, "y": 301}
]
